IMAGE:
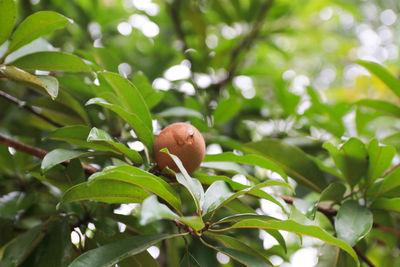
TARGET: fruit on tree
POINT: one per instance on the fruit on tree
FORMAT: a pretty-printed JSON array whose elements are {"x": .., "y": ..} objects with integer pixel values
[{"x": 182, "y": 140}]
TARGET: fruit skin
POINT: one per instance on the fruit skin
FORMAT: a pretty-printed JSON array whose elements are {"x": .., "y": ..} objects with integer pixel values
[{"x": 182, "y": 140}]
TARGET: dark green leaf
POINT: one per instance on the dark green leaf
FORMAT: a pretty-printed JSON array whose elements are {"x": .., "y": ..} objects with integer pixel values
[
  {"x": 226, "y": 109},
  {"x": 382, "y": 73},
  {"x": 292, "y": 160},
  {"x": 60, "y": 155},
  {"x": 52, "y": 61},
  {"x": 8, "y": 13},
  {"x": 189, "y": 261},
  {"x": 391, "y": 181},
  {"x": 105, "y": 191},
  {"x": 34, "y": 26},
  {"x": 334, "y": 192},
  {"x": 14, "y": 204},
  {"x": 111, "y": 254},
  {"x": 353, "y": 222},
  {"x": 75, "y": 172},
  {"x": 243, "y": 257}
]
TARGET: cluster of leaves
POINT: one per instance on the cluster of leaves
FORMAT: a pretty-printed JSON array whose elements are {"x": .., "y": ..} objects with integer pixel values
[{"x": 90, "y": 116}]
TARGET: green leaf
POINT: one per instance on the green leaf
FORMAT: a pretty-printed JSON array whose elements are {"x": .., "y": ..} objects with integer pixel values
[
  {"x": 308, "y": 208},
  {"x": 353, "y": 222},
  {"x": 193, "y": 185},
  {"x": 152, "y": 210},
  {"x": 19, "y": 249},
  {"x": 60, "y": 155},
  {"x": 388, "y": 204},
  {"x": 102, "y": 137},
  {"x": 151, "y": 96},
  {"x": 50, "y": 84},
  {"x": 350, "y": 159},
  {"x": 380, "y": 105},
  {"x": 52, "y": 61},
  {"x": 243, "y": 257},
  {"x": 75, "y": 172},
  {"x": 189, "y": 261},
  {"x": 292, "y": 160},
  {"x": 380, "y": 158},
  {"x": 294, "y": 227},
  {"x": 382, "y": 73},
  {"x": 243, "y": 216},
  {"x": 129, "y": 96},
  {"x": 142, "y": 131},
  {"x": 8, "y": 14},
  {"x": 391, "y": 181},
  {"x": 180, "y": 112},
  {"x": 236, "y": 244},
  {"x": 107, "y": 191},
  {"x": 251, "y": 159},
  {"x": 14, "y": 204},
  {"x": 216, "y": 194},
  {"x": 138, "y": 177},
  {"x": 334, "y": 192},
  {"x": 226, "y": 109},
  {"x": 34, "y": 26},
  {"x": 110, "y": 254}
]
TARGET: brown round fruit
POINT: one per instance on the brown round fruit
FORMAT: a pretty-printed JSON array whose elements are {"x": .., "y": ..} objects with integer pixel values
[{"x": 182, "y": 140}]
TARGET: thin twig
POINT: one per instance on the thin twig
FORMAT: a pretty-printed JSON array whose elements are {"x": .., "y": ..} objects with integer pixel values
[
  {"x": 325, "y": 209},
  {"x": 387, "y": 229},
  {"x": 391, "y": 169},
  {"x": 36, "y": 151},
  {"x": 22, "y": 104},
  {"x": 363, "y": 257},
  {"x": 246, "y": 43}
]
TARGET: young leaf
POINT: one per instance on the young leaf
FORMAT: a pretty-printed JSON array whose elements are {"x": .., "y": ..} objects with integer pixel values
[
  {"x": 102, "y": 137},
  {"x": 129, "y": 95},
  {"x": 292, "y": 160},
  {"x": 382, "y": 73},
  {"x": 142, "y": 131},
  {"x": 380, "y": 158},
  {"x": 51, "y": 61},
  {"x": 34, "y": 26},
  {"x": 350, "y": 159},
  {"x": 353, "y": 222},
  {"x": 111, "y": 254},
  {"x": 107, "y": 191},
  {"x": 193, "y": 185},
  {"x": 8, "y": 14},
  {"x": 152, "y": 210},
  {"x": 251, "y": 159},
  {"x": 138, "y": 177},
  {"x": 294, "y": 227}
]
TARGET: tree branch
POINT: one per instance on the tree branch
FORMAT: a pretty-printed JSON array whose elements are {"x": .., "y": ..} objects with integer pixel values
[
  {"x": 246, "y": 43},
  {"x": 36, "y": 151},
  {"x": 22, "y": 104},
  {"x": 363, "y": 257}
]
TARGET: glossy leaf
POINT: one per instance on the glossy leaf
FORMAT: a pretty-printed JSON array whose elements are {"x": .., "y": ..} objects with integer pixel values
[
  {"x": 189, "y": 261},
  {"x": 292, "y": 226},
  {"x": 243, "y": 257},
  {"x": 180, "y": 112},
  {"x": 52, "y": 61},
  {"x": 152, "y": 210},
  {"x": 350, "y": 159},
  {"x": 216, "y": 194},
  {"x": 129, "y": 95},
  {"x": 110, "y": 254},
  {"x": 353, "y": 222},
  {"x": 60, "y": 155},
  {"x": 101, "y": 136},
  {"x": 380, "y": 158},
  {"x": 142, "y": 131},
  {"x": 34, "y": 26},
  {"x": 251, "y": 159},
  {"x": 8, "y": 14},
  {"x": 389, "y": 182},
  {"x": 193, "y": 185},
  {"x": 145, "y": 180},
  {"x": 382, "y": 73},
  {"x": 151, "y": 96},
  {"x": 105, "y": 191},
  {"x": 20, "y": 248},
  {"x": 48, "y": 83},
  {"x": 334, "y": 192},
  {"x": 292, "y": 160}
]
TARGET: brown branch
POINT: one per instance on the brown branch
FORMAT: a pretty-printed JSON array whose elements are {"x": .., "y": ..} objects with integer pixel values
[
  {"x": 363, "y": 257},
  {"x": 246, "y": 43},
  {"x": 387, "y": 229},
  {"x": 37, "y": 152},
  {"x": 388, "y": 171},
  {"x": 22, "y": 104},
  {"x": 325, "y": 209}
]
